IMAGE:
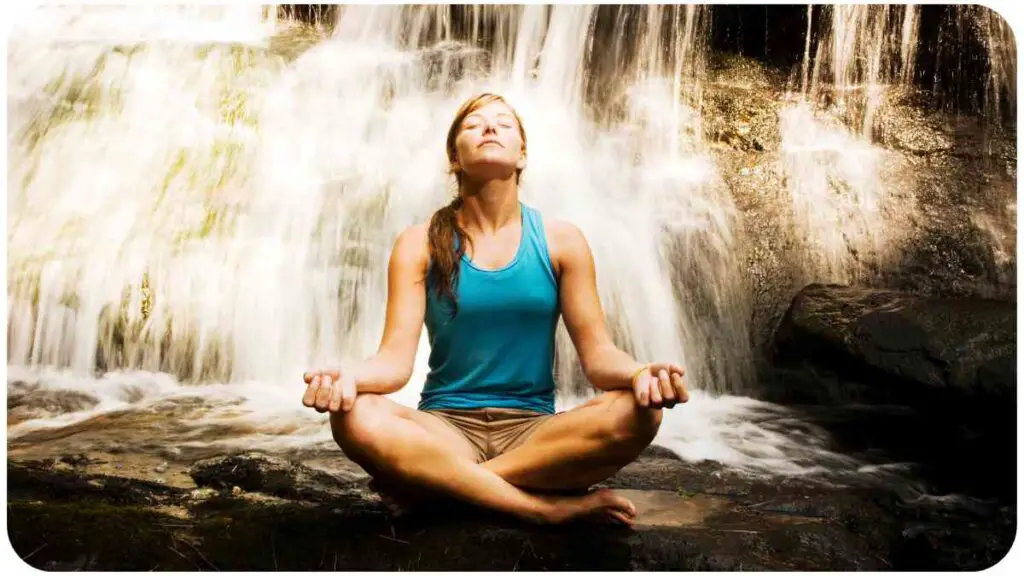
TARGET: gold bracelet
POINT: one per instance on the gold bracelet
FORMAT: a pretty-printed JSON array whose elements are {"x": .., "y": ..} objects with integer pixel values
[{"x": 632, "y": 379}]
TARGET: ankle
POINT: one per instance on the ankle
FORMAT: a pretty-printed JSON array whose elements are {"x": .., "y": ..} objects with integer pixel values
[{"x": 546, "y": 510}]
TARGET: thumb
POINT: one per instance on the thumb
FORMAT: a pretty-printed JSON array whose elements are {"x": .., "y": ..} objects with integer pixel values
[{"x": 348, "y": 391}]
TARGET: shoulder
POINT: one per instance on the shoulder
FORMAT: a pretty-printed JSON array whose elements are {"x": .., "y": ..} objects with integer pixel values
[
  {"x": 411, "y": 246},
  {"x": 566, "y": 242}
]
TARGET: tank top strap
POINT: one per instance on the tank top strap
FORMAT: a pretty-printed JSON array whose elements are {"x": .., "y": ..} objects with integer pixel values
[{"x": 536, "y": 239}]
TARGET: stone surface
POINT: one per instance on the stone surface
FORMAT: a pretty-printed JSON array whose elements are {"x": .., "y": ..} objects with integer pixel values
[
  {"x": 693, "y": 516},
  {"x": 915, "y": 349},
  {"x": 944, "y": 212}
]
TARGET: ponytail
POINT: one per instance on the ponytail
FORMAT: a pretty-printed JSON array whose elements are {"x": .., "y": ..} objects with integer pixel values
[
  {"x": 447, "y": 239},
  {"x": 445, "y": 254}
]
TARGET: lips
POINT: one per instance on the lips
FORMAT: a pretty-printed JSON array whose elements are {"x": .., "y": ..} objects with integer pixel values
[{"x": 486, "y": 142}]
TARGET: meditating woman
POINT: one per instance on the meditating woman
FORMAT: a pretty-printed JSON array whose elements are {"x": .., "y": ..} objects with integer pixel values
[{"x": 489, "y": 277}]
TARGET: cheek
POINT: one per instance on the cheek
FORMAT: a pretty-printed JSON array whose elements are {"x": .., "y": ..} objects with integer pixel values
[
  {"x": 514, "y": 143},
  {"x": 463, "y": 144}
]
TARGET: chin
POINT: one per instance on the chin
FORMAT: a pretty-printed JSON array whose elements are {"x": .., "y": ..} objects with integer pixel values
[{"x": 489, "y": 171}]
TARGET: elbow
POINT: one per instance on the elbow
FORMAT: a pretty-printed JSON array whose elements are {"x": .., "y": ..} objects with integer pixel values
[
  {"x": 591, "y": 373},
  {"x": 400, "y": 379},
  {"x": 592, "y": 356}
]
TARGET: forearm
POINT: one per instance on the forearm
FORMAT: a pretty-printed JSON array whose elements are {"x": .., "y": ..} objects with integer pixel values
[
  {"x": 380, "y": 374},
  {"x": 609, "y": 368}
]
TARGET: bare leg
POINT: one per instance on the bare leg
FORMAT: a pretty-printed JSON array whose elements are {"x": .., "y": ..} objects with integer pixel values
[
  {"x": 582, "y": 446},
  {"x": 411, "y": 446}
]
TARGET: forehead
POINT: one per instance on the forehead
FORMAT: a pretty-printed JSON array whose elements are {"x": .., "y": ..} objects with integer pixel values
[{"x": 492, "y": 110}]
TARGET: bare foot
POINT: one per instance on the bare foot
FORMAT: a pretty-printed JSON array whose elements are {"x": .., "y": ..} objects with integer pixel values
[{"x": 602, "y": 505}]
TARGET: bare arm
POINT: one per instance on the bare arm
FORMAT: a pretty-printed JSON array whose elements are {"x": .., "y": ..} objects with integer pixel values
[
  {"x": 390, "y": 368},
  {"x": 604, "y": 364}
]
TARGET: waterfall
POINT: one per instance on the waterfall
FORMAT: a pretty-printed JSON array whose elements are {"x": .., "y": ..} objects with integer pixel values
[
  {"x": 197, "y": 205},
  {"x": 833, "y": 172}
]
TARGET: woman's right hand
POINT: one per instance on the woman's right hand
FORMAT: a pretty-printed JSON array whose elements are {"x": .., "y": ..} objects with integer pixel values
[{"x": 333, "y": 390}]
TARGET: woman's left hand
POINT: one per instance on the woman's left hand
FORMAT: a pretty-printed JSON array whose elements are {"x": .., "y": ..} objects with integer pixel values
[{"x": 661, "y": 385}]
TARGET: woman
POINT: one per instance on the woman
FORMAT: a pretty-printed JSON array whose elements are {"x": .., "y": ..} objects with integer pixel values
[{"x": 489, "y": 278}]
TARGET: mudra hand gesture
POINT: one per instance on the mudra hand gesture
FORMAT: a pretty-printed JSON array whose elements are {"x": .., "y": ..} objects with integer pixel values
[
  {"x": 333, "y": 390},
  {"x": 660, "y": 385}
]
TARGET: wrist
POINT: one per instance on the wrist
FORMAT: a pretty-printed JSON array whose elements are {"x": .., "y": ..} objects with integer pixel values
[
  {"x": 354, "y": 369},
  {"x": 638, "y": 370}
]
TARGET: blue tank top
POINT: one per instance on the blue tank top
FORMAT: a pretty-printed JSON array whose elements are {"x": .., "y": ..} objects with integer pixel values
[{"x": 499, "y": 349}]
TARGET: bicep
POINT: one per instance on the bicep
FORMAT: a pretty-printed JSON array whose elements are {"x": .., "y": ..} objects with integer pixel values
[
  {"x": 578, "y": 296},
  {"x": 406, "y": 301}
]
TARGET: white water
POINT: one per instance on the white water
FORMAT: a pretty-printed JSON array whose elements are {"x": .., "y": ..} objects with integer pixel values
[
  {"x": 193, "y": 216},
  {"x": 262, "y": 197},
  {"x": 863, "y": 50},
  {"x": 747, "y": 435},
  {"x": 833, "y": 170}
]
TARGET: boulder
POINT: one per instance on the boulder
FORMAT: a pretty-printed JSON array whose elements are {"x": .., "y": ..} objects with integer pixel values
[
  {"x": 270, "y": 475},
  {"x": 922, "y": 349}
]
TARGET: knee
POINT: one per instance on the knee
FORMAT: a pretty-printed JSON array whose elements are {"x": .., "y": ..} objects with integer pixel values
[
  {"x": 356, "y": 431},
  {"x": 628, "y": 423}
]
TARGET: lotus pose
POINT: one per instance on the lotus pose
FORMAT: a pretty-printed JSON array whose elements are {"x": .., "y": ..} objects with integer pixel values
[{"x": 489, "y": 278}]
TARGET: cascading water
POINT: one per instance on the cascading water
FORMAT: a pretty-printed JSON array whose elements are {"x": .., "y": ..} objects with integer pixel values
[
  {"x": 831, "y": 166},
  {"x": 194, "y": 217}
]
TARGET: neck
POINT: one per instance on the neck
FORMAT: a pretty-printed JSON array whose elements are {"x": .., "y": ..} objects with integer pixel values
[{"x": 488, "y": 206}]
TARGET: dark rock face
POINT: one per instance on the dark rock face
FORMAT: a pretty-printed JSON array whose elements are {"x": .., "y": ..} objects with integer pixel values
[
  {"x": 947, "y": 208},
  {"x": 275, "y": 476},
  {"x": 921, "y": 349},
  {"x": 334, "y": 522}
]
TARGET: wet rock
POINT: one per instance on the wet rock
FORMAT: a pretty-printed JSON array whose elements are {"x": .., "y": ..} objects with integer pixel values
[
  {"x": 916, "y": 349},
  {"x": 947, "y": 196},
  {"x": 270, "y": 475},
  {"x": 29, "y": 400},
  {"x": 202, "y": 493},
  {"x": 701, "y": 517},
  {"x": 739, "y": 109}
]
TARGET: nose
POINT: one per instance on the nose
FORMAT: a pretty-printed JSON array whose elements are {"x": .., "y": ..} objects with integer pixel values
[{"x": 490, "y": 127}]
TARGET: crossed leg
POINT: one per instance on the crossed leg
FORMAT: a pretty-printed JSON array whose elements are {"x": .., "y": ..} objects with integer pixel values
[
  {"x": 572, "y": 450},
  {"x": 582, "y": 446}
]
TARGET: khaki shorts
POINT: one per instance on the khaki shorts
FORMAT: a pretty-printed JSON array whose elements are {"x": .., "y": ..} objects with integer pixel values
[{"x": 492, "y": 431}]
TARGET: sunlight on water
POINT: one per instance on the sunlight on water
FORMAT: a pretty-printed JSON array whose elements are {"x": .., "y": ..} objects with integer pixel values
[
  {"x": 836, "y": 191},
  {"x": 831, "y": 166}
]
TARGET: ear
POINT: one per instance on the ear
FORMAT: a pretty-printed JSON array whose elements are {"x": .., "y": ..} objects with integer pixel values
[{"x": 521, "y": 163}]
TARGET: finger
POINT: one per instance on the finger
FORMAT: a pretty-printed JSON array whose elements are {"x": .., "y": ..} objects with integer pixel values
[
  {"x": 655, "y": 392},
  {"x": 641, "y": 391},
  {"x": 348, "y": 393},
  {"x": 309, "y": 398},
  {"x": 677, "y": 369},
  {"x": 682, "y": 392},
  {"x": 323, "y": 396},
  {"x": 307, "y": 377},
  {"x": 666, "y": 388},
  {"x": 336, "y": 396}
]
